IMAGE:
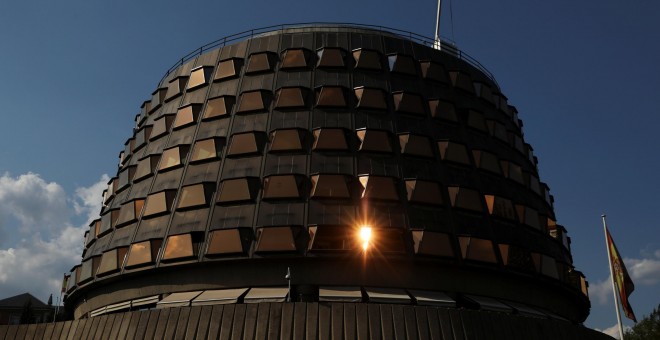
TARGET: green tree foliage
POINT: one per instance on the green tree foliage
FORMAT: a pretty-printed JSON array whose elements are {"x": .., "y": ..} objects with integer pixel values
[
  {"x": 647, "y": 329},
  {"x": 27, "y": 315}
]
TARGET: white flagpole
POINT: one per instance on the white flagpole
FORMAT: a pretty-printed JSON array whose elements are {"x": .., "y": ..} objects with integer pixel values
[
  {"x": 436, "y": 43},
  {"x": 614, "y": 292}
]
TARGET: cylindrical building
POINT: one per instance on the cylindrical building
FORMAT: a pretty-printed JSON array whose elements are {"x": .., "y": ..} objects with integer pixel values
[{"x": 328, "y": 163}]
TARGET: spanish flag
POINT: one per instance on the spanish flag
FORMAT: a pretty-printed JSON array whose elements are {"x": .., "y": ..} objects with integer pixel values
[{"x": 623, "y": 282}]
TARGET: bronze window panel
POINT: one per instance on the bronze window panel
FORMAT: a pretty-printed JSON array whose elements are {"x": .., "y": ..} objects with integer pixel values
[
  {"x": 388, "y": 240},
  {"x": 253, "y": 101},
  {"x": 238, "y": 190},
  {"x": 90, "y": 235},
  {"x": 415, "y": 145},
  {"x": 500, "y": 207},
  {"x": 408, "y": 103},
  {"x": 227, "y": 241},
  {"x": 476, "y": 120},
  {"x": 111, "y": 261},
  {"x": 145, "y": 167},
  {"x": 477, "y": 249},
  {"x": 142, "y": 136},
  {"x": 173, "y": 157},
  {"x": 129, "y": 212},
  {"x": 200, "y": 77},
  {"x": 370, "y": 98},
  {"x": 175, "y": 87},
  {"x": 260, "y": 62},
  {"x": 126, "y": 177},
  {"x": 453, "y": 152},
  {"x": 483, "y": 91},
  {"x": 143, "y": 253},
  {"x": 432, "y": 243},
  {"x": 486, "y": 161},
  {"x": 275, "y": 239},
  {"x": 283, "y": 187},
  {"x": 228, "y": 68},
  {"x": 424, "y": 192},
  {"x": 206, "y": 149},
  {"x": 195, "y": 196},
  {"x": 162, "y": 126},
  {"x": 461, "y": 81},
  {"x": 513, "y": 171},
  {"x": 330, "y": 186},
  {"x": 332, "y": 238},
  {"x": 158, "y": 98},
  {"x": 465, "y": 198},
  {"x": 111, "y": 190},
  {"x": 444, "y": 110},
  {"x": 294, "y": 59},
  {"x": 244, "y": 144},
  {"x": 331, "y": 57},
  {"x": 379, "y": 188},
  {"x": 187, "y": 115},
  {"x": 128, "y": 148},
  {"x": 367, "y": 59},
  {"x": 528, "y": 216},
  {"x": 179, "y": 247},
  {"x": 497, "y": 130},
  {"x": 287, "y": 140},
  {"x": 331, "y": 97},
  {"x": 85, "y": 271},
  {"x": 517, "y": 257},
  {"x": 433, "y": 71},
  {"x": 402, "y": 64},
  {"x": 330, "y": 139},
  {"x": 218, "y": 107},
  {"x": 374, "y": 140},
  {"x": 159, "y": 203},
  {"x": 533, "y": 183},
  {"x": 291, "y": 98}
]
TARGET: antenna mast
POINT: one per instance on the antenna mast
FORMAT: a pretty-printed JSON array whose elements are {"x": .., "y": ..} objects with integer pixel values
[{"x": 436, "y": 43}]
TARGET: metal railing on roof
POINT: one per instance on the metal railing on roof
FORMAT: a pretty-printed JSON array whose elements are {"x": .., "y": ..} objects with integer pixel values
[{"x": 446, "y": 45}]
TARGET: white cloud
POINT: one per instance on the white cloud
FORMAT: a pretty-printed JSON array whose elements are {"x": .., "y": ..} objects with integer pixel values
[
  {"x": 613, "y": 331},
  {"x": 601, "y": 291},
  {"x": 53, "y": 244},
  {"x": 644, "y": 271}
]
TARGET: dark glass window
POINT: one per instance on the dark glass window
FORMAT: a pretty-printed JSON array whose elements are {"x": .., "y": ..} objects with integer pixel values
[
  {"x": 512, "y": 171},
  {"x": 229, "y": 68},
  {"x": 497, "y": 130},
  {"x": 415, "y": 145},
  {"x": 275, "y": 239},
  {"x": 227, "y": 241},
  {"x": 142, "y": 136},
  {"x": 424, "y": 192},
  {"x": 238, "y": 190},
  {"x": 200, "y": 76},
  {"x": 528, "y": 216},
  {"x": 379, "y": 188},
  {"x": 484, "y": 91},
  {"x": 180, "y": 247},
  {"x": 218, "y": 107},
  {"x": 243, "y": 144},
  {"x": 159, "y": 203},
  {"x": 331, "y": 97},
  {"x": 125, "y": 177},
  {"x": 161, "y": 126},
  {"x": 374, "y": 140},
  {"x": 476, "y": 121},
  {"x": 388, "y": 240},
  {"x": 487, "y": 161},
  {"x": 465, "y": 198},
  {"x": 500, "y": 207},
  {"x": 253, "y": 101},
  {"x": 477, "y": 249},
  {"x": 173, "y": 157},
  {"x": 143, "y": 253},
  {"x": 287, "y": 140},
  {"x": 461, "y": 80},
  {"x": 370, "y": 98},
  {"x": 207, "y": 149},
  {"x": 283, "y": 186},
  {"x": 195, "y": 196},
  {"x": 330, "y": 57},
  {"x": 330, "y": 140},
  {"x": 367, "y": 60},
  {"x": 187, "y": 115},
  {"x": 408, "y": 103},
  {"x": 332, "y": 238},
  {"x": 444, "y": 110},
  {"x": 111, "y": 261},
  {"x": 433, "y": 71},
  {"x": 157, "y": 98},
  {"x": 517, "y": 257},
  {"x": 432, "y": 243},
  {"x": 291, "y": 98},
  {"x": 129, "y": 212},
  {"x": 402, "y": 64},
  {"x": 294, "y": 59},
  {"x": 261, "y": 62},
  {"x": 330, "y": 186},
  {"x": 146, "y": 167},
  {"x": 453, "y": 152},
  {"x": 175, "y": 87}
]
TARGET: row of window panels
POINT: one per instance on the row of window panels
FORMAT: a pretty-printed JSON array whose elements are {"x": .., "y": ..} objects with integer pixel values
[
  {"x": 321, "y": 239},
  {"x": 321, "y": 186},
  {"x": 332, "y": 139}
]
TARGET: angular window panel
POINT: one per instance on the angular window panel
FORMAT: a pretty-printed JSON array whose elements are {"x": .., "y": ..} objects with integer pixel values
[
  {"x": 487, "y": 161},
  {"x": 90, "y": 235},
  {"x": 287, "y": 140},
  {"x": 142, "y": 136},
  {"x": 294, "y": 59},
  {"x": 476, "y": 121},
  {"x": 275, "y": 239},
  {"x": 388, "y": 240},
  {"x": 108, "y": 221},
  {"x": 218, "y": 107},
  {"x": 367, "y": 60},
  {"x": 444, "y": 110},
  {"x": 227, "y": 241},
  {"x": 143, "y": 253},
  {"x": 533, "y": 183},
  {"x": 461, "y": 80},
  {"x": 379, "y": 188},
  {"x": 86, "y": 270},
  {"x": 261, "y": 62},
  {"x": 253, "y": 101},
  {"x": 497, "y": 130},
  {"x": 402, "y": 64},
  {"x": 516, "y": 257},
  {"x": 549, "y": 266},
  {"x": 238, "y": 190},
  {"x": 129, "y": 212},
  {"x": 330, "y": 140},
  {"x": 173, "y": 157},
  {"x": 453, "y": 152},
  {"x": 330, "y": 186},
  {"x": 175, "y": 87},
  {"x": 528, "y": 216},
  {"x": 432, "y": 243},
  {"x": 513, "y": 171},
  {"x": 244, "y": 144},
  {"x": 370, "y": 98},
  {"x": 111, "y": 190},
  {"x": 162, "y": 126},
  {"x": 146, "y": 167},
  {"x": 465, "y": 198},
  {"x": 159, "y": 203},
  {"x": 200, "y": 76},
  {"x": 424, "y": 192},
  {"x": 291, "y": 98},
  {"x": 477, "y": 249},
  {"x": 500, "y": 207},
  {"x": 228, "y": 68},
  {"x": 283, "y": 187},
  {"x": 517, "y": 142},
  {"x": 179, "y": 247},
  {"x": 408, "y": 103},
  {"x": 433, "y": 71},
  {"x": 187, "y": 115},
  {"x": 331, "y": 97},
  {"x": 207, "y": 149},
  {"x": 374, "y": 140},
  {"x": 332, "y": 238},
  {"x": 126, "y": 177},
  {"x": 128, "y": 149},
  {"x": 158, "y": 98},
  {"x": 331, "y": 57},
  {"x": 111, "y": 261},
  {"x": 195, "y": 196},
  {"x": 415, "y": 145},
  {"x": 482, "y": 90}
]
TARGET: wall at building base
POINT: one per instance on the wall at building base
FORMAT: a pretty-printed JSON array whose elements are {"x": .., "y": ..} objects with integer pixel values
[{"x": 305, "y": 321}]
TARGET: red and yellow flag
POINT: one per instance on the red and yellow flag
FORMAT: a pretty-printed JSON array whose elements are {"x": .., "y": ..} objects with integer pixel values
[{"x": 623, "y": 282}]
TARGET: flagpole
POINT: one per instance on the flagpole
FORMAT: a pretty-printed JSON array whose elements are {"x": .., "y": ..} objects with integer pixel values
[
  {"x": 609, "y": 260},
  {"x": 436, "y": 44}
]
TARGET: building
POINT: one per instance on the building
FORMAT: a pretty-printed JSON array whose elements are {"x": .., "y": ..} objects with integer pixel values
[
  {"x": 327, "y": 180},
  {"x": 13, "y": 308}
]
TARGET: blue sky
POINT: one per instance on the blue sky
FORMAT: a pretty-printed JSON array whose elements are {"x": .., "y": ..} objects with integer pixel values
[{"x": 583, "y": 75}]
